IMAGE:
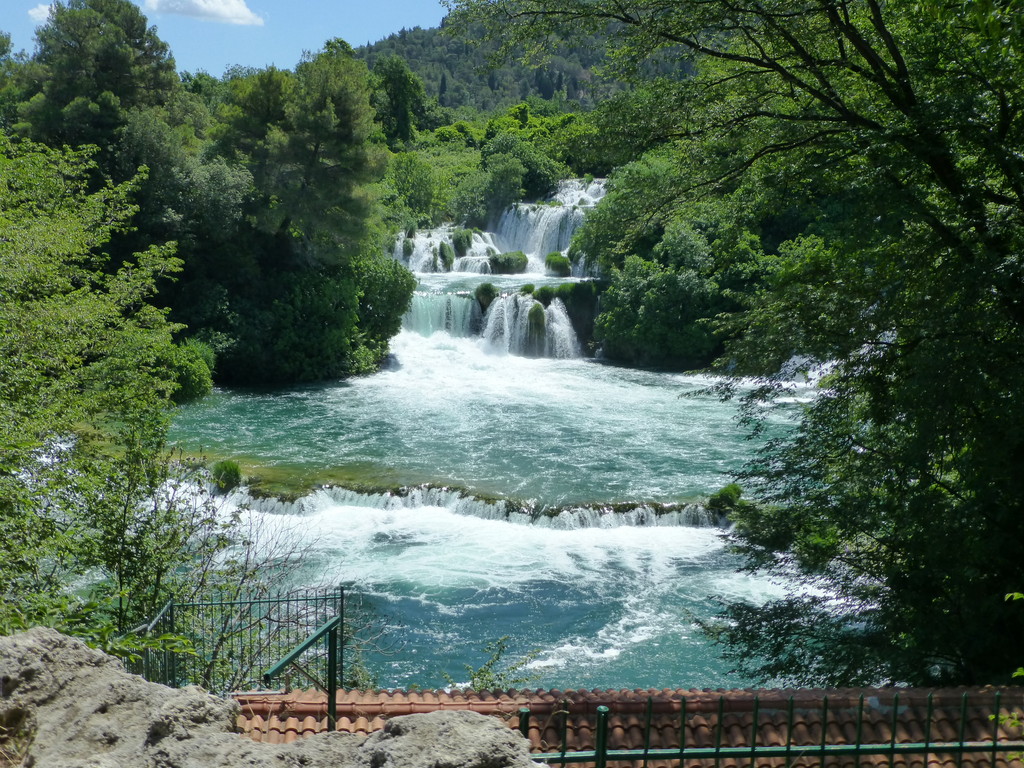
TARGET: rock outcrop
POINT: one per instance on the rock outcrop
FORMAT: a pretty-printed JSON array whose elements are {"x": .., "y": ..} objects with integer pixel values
[{"x": 65, "y": 705}]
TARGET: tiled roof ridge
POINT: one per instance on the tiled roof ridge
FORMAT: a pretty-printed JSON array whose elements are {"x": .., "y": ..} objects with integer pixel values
[{"x": 389, "y": 703}]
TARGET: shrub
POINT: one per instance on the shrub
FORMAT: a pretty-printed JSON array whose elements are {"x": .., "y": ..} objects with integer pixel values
[
  {"x": 226, "y": 475},
  {"x": 447, "y": 255},
  {"x": 408, "y": 247},
  {"x": 485, "y": 294},
  {"x": 545, "y": 294},
  {"x": 557, "y": 264},
  {"x": 462, "y": 239},
  {"x": 193, "y": 370},
  {"x": 513, "y": 263},
  {"x": 726, "y": 499}
]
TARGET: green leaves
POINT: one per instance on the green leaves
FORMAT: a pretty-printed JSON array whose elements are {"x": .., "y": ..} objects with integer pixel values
[{"x": 855, "y": 169}]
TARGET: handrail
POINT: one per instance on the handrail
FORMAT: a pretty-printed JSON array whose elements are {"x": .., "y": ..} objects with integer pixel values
[
  {"x": 330, "y": 629},
  {"x": 149, "y": 627}
]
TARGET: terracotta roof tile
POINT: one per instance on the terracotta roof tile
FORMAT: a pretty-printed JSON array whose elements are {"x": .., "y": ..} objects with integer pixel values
[{"x": 284, "y": 717}]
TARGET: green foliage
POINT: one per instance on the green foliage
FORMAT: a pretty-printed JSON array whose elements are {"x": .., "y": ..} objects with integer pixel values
[
  {"x": 654, "y": 315},
  {"x": 447, "y": 255},
  {"x": 462, "y": 240},
  {"x": 486, "y": 293},
  {"x": 863, "y": 208},
  {"x": 490, "y": 677},
  {"x": 558, "y": 264},
  {"x": 83, "y": 361},
  {"x": 100, "y": 61},
  {"x": 398, "y": 99},
  {"x": 512, "y": 263},
  {"x": 226, "y": 475},
  {"x": 414, "y": 181},
  {"x": 456, "y": 71},
  {"x": 192, "y": 364},
  {"x": 726, "y": 499},
  {"x": 540, "y": 173}
]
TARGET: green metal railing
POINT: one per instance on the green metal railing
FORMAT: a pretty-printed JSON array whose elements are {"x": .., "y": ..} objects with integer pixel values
[
  {"x": 996, "y": 744},
  {"x": 334, "y": 648},
  {"x": 236, "y": 640}
]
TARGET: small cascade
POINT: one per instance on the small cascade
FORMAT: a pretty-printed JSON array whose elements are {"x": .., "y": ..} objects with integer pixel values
[
  {"x": 459, "y": 503},
  {"x": 458, "y": 314},
  {"x": 538, "y": 229},
  {"x": 518, "y": 324},
  {"x": 559, "y": 336},
  {"x": 423, "y": 251},
  {"x": 581, "y": 192}
]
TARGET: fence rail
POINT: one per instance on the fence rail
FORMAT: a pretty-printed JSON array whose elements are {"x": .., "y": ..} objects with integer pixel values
[
  {"x": 235, "y": 641},
  {"x": 750, "y": 734}
]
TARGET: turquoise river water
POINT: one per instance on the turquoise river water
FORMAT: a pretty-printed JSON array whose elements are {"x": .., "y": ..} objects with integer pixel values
[{"x": 605, "y": 600}]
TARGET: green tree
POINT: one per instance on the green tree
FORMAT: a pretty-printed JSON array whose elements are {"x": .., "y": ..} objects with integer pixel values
[
  {"x": 85, "y": 385},
  {"x": 895, "y": 502},
  {"x": 651, "y": 315},
  {"x": 98, "y": 59},
  {"x": 399, "y": 99}
]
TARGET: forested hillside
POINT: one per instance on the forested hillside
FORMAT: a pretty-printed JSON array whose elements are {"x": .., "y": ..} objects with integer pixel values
[{"x": 457, "y": 69}]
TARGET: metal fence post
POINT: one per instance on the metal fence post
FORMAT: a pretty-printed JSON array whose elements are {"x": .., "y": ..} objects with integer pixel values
[
  {"x": 524, "y": 722},
  {"x": 332, "y": 678},
  {"x": 601, "y": 746}
]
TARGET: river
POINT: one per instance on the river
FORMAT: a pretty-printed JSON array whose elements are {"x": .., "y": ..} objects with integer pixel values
[{"x": 601, "y": 598}]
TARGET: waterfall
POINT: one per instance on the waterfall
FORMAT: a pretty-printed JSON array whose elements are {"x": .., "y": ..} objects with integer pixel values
[
  {"x": 538, "y": 230},
  {"x": 458, "y": 314},
  {"x": 515, "y": 324},
  {"x": 560, "y": 337},
  {"x": 508, "y": 327},
  {"x": 421, "y": 251},
  {"x": 506, "y": 324},
  {"x": 457, "y": 502}
]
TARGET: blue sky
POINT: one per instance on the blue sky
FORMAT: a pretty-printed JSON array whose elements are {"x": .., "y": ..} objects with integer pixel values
[{"x": 214, "y": 34}]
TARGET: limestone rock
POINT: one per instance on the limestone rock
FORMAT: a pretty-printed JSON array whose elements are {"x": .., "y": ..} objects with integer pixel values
[{"x": 65, "y": 705}]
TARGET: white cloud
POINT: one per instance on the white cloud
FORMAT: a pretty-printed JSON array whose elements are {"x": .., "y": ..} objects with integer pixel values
[
  {"x": 226, "y": 11},
  {"x": 40, "y": 13}
]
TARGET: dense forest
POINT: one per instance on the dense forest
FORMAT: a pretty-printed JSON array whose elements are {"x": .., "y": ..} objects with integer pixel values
[{"x": 834, "y": 185}]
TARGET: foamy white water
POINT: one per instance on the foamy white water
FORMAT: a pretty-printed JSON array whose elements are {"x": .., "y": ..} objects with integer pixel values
[
  {"x": 606, "y": 599},
  {"x": 600, "y": 606}
]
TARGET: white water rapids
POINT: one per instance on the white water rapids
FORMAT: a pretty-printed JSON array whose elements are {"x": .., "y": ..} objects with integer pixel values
[{"x": 606, "y": 599}]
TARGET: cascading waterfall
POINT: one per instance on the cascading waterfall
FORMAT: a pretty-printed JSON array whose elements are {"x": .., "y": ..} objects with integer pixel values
[
  {"x": 538, "y": 230},
  {"x": 559, "y": 336},
  {"x": 457, "y": 314},
  {"x": 514, "y": 323},
  {"x": 544, "y": 497},
  {"x": 517, "y": 324}
]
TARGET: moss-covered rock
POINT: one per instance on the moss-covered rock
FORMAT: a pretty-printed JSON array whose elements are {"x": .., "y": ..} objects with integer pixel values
[
  {"x": 536, "y": 334},
  {"x": 408, "y": 246},
  {"x": 512, "y": 263},
  {"x": 557, "y": 264},
  {"x": 447, "y": 256},
  {"x": 462, "y": 241},
  {"x": 485, "y": 294}
]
